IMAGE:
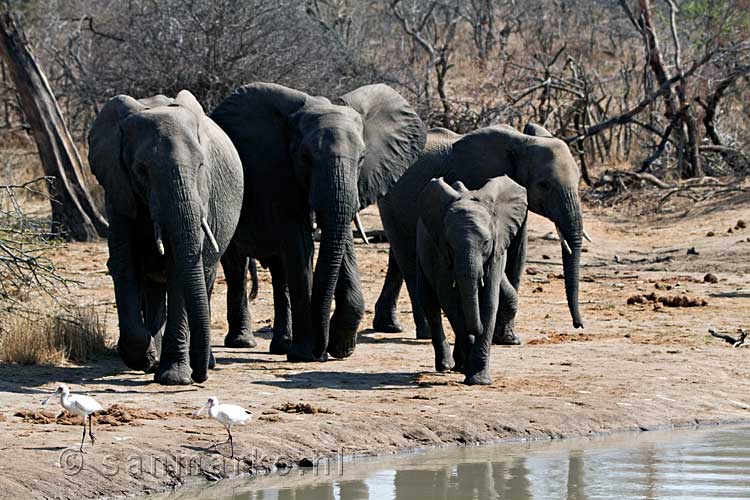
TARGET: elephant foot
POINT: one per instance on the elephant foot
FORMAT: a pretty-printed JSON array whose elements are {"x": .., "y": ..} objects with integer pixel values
[
  {"x": 143, "y": 358},
  {"x": 480, "y": 378},
  {"x": 240, "y": 340},
  {"x": 301, "y": 353},
  {"x": 211, "y": 361},
  {"x": 280, "y": 344},
  {"x": 506, "y": 336},
  {"x": 340, "y": 347},
  {"x": 174, "y": 374},
  {"x": 444, "y": 364},
  {"x": 390, "y": 325}
]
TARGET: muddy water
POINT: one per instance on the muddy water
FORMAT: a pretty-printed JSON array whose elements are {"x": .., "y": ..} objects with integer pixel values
[{"x": 686, "y": 464}]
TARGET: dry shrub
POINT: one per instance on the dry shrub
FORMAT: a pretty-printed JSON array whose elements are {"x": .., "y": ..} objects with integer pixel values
[{"x": 75, "y": 335}]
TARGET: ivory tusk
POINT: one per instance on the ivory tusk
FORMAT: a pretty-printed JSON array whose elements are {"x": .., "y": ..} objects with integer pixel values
[
  {"x": 481, "y": 282},
  {"x": 588, "y": 238},
  {"x": 361, "y": 229},
  {"x": 159, "y": 240},
  {"x": 209, "y": 234},
  {"x": 562, "y": 241}
]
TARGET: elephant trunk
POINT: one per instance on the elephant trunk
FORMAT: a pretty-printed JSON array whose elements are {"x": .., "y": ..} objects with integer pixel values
[
  {"x": 571, "y": 228},
  {"x": 186, "y": 238},
  {"x": 334, "y": 215},
  {"x": 468, "y": 289}
]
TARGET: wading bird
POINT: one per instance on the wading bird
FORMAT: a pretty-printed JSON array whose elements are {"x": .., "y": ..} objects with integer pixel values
[
  {"x": 227, "y": 415},
  {"x": 83, "y": 406}
]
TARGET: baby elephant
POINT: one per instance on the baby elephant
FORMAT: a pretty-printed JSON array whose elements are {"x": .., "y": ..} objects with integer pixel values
[{"x": 462, "y": 237}]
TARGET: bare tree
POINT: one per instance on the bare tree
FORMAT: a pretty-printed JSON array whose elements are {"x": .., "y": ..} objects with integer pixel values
[
  {"x": 73, "y": 211},
  {"x": 432, "y": 25}
]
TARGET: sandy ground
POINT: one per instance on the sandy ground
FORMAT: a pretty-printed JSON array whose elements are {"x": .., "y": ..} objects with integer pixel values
[{"x": 639, "y": 366}]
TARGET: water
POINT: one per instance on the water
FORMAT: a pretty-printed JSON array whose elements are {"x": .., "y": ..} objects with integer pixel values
[{"x": 689, "y": 464}]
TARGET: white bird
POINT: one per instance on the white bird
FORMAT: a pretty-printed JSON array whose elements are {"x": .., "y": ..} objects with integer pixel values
[
  {"x": 227, "y": 415},
  {"x": 83, "y": 406}
]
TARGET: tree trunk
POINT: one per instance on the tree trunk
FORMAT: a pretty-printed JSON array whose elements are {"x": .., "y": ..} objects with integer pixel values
[{"x": 73, "y": 210}]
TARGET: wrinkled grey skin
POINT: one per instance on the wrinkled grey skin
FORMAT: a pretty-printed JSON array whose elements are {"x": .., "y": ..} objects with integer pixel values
[
  {"x": 303, "y": 156},
  {"x": 534, "y": 159},
  {"x": 462, "y": 237},
  {"x": 164, "y": 164}
]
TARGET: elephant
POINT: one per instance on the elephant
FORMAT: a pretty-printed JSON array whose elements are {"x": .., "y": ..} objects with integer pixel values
[
  {"x": 462, "y": 239},
  {"x": 308, "y": 157},
  {"x": 173, "y": 188},
  {"x": 534, "y": 159}
]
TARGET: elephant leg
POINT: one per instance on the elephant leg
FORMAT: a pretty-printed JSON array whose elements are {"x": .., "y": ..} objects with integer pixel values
[
  {"x": 350, "y": 307},
  {"x": 478, "y": 357},
  {"x": 431, "y": 307},
  {"x": 174, "y": 366},
  {"x": 282, "y": 310},
  {"x": 506, "y": 314},
  {"x": 154, "y": 310},
  {"x": 505, "y": 333},
  {"x": 386, "y": 314},
  {"x": 461, "y": 346},
  {"x": 240, "y": 332},
  {"x": 423, "y": 329},
  {"x": 210, "y": 280},
  {"x": 298, "y": 263}
]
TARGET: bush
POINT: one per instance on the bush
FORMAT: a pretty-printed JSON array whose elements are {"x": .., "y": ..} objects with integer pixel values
[{"x": 75, "y": 335}]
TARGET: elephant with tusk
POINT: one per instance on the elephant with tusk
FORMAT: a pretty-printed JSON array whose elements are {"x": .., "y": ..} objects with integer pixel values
[
  {"x": 534, "y": 159},
  {"x": 173, "y": 187},
  {"x": 311, "y": 161}
]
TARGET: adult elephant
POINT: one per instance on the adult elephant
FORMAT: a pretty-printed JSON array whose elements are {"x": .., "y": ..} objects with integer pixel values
[
  {"x": 173, "y": 187},
  {"x": 534, "y": 159},
  {"x": 306, "y": 156}
]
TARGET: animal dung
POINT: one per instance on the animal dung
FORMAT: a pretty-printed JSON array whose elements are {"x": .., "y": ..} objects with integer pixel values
[
  {"x": 710, "y": 278},
  {"x": 668, "y": 300},
  {"x": 306, "y": 408}
]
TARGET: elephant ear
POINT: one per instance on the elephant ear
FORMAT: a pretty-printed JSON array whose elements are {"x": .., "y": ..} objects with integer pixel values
[
  {"x": 105, "y": 154},
  {"x": 394, "y": 136},
  {"x": 507, "y": 203},
  {"x": 255, "y": 117},
  {"x": 432, "y": 204},
  {"x": 536, "y": 130},
  {"x": 187, "y": 100}
]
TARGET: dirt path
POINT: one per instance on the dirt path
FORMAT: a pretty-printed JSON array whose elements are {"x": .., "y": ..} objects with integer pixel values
[{"x": 637, "y": 366}]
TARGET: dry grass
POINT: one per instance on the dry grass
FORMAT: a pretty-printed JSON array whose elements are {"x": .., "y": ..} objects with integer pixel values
[{"x": 77, "y": 335}]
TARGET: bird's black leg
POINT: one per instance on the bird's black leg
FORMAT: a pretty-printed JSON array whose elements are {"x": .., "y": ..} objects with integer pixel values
[
  {"x": 91, "y": 431},
  {"x": 83, "y": 438},
  {"x": 231, "y": 443}
]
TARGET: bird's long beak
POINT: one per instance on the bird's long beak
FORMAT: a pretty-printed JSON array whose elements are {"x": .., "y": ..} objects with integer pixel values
[
  {"x": 197, "y": 413},
  {"x": 44, "y": 403}
]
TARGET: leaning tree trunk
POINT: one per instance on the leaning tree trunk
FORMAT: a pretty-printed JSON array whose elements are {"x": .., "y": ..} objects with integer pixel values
[{"x": 73, "y": 210}]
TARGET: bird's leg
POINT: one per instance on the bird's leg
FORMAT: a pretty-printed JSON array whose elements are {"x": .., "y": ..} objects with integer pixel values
[
  {"x": 223, "y": 442},
  {"x": 231, "y": 443},
  {"x": 83, "y": 438},
  {"x": 91, "y": 430}
]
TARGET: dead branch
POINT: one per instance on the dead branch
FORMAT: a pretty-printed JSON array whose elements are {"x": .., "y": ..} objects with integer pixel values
[{"x": 736, "y": 342}]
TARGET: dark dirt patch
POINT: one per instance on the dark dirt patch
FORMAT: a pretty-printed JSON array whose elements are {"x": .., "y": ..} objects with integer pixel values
[
  {"x": 114, "y": 415},
  {"x": 305, "y": 408}
]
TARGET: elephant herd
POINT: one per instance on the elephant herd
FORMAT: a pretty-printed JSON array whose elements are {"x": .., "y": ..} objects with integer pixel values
[{"x": 250, "y": 182}]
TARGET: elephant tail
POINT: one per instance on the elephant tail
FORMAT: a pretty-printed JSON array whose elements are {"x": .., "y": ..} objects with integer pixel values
[{"x": 253, "y": 265}]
